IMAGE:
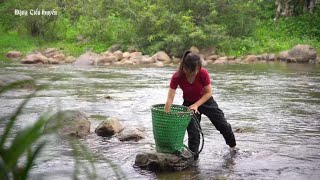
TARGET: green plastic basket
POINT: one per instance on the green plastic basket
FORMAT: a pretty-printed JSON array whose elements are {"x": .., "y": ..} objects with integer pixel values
[{"x": 169, "y": 128}]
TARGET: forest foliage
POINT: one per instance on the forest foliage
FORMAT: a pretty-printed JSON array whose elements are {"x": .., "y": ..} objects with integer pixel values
[{"x": 234, "y": 27}]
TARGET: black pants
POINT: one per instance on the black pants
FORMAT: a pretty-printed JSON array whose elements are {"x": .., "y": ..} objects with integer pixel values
[{"x": 216, "y": 116}]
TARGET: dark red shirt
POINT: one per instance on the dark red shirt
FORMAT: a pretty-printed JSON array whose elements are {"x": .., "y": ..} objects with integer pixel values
[{"x": 191, "y": 92}]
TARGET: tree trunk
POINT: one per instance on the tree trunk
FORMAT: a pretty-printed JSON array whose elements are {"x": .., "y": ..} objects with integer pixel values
[
  {"x": 309, "y": 5},
  {"x": 35, "y": 31},
  {"x": 285, "y": 7}
]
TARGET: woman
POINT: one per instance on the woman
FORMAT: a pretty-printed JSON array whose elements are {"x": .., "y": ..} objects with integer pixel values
[{"x": 194, "y": 80}]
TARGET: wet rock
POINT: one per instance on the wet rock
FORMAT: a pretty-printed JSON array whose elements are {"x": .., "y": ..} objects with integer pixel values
[
  {"x": 271, "y": 57},
  {"x": 159, "y": 64},
  {"x": 221, "y": 60},
  {"x": 135, "y": 58},
  {"x": 129, "y": 62},
  {"x": 162, "y": 57},
  {"x": 250, "y": 59},
  {"x": 105, "y": 59},
  {"x": 132, "y": 134},
  {"x": 147, "y": 60},
  {"x": 231, "y": 58},
  {"x": 59, "y": 56},
  {"x": 35, "y": 59},
  {"x": 53, "y": 61},
  {"x": 109, "y": 127},
  {"x": 108, "y": 97},
  {"x": 155, "y": 161},
  {"x": 118, "y": 55},
  {"x": 244, "y": 130},
  {"x": 13, "y": 54},
  {"x": 85, "y": 59},
  {"x": 70, "y": 122},
  {"x": 126, "y": 55},
  {"x": 70, "y": 59}
]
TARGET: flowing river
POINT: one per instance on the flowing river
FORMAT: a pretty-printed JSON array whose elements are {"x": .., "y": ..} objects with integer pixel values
[{"x": 277, "y": 105}]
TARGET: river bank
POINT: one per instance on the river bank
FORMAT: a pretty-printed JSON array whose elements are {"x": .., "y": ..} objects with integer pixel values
[{"x": 114, "y": 56}]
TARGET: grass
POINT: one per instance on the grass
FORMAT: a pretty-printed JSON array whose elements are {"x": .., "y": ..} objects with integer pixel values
[
  {"x": 10, "y": 41},
  {"x": 273, "y": 37}
]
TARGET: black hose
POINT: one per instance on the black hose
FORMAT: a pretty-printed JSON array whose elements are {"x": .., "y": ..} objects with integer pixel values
[{"x": 197, "y": 124}]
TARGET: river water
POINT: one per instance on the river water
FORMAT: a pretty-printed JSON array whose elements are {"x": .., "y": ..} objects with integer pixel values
[{"x": 277, "y": 105}]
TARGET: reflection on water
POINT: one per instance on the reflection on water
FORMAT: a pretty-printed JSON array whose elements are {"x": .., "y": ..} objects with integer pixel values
[{"x": 277, "y": 106}]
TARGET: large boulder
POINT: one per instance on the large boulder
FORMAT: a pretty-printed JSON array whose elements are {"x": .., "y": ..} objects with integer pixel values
[
  {"x": 118, "y": 55},
  {"x": 86, "y": 59},
  {"x": 162, "y": 56},
  {"x": 102, "y": 60},
  {"x": 147, "y": 60},
  {"x": 155, "y": 161},
  {"x": 284, "y": 56},
  {"x": 109, "y": 127},
  {"x": 135, "y": 58},
  {"x": 303, "y": 53},
  {"x": 70, "y": 122}
]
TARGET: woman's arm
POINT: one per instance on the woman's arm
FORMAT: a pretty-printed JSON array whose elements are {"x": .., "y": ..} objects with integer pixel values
[
  {"x": 207, "y": 94},
  {"x": 171, "y": 94}
]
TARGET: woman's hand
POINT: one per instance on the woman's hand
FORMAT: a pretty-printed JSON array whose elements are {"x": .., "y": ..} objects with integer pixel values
[
  {"x": 194, "y": 108},
  {"x": 170, "y": 97}
]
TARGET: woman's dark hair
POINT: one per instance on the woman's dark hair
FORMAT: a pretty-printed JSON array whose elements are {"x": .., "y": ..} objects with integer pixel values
[{"x": 190, "y": 60}]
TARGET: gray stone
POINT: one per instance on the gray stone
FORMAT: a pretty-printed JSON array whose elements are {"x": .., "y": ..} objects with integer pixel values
[
  {"x": 131, "y": 134},
  {"x": 70, "y": 59},
  {"x": 109, "y": 127},
  {"x": 162, "y": 57},
  {"x": 35, "y": 59},
  {"x": 69, "y": 122},
  {"x": 303, "y": 53},
  {"x": 86, "y": 59},
  {"x": 155, "y": 161}
]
